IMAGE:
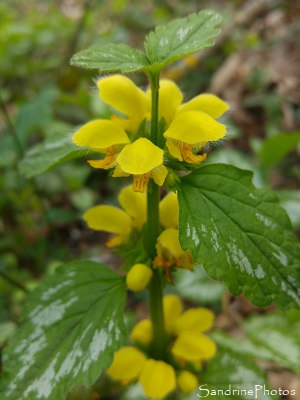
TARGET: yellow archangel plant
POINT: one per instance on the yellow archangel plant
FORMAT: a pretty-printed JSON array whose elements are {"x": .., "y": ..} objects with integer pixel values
[
  {"x": 178, "y": 134},
  {"x": 175, "y": 211}
]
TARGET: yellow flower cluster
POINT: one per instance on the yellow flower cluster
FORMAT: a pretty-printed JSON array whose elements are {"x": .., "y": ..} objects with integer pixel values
[
  {"x": 132, "y": 216},
  {"x": 189, "y": 348},
  {"x": 127, "y": 148}
]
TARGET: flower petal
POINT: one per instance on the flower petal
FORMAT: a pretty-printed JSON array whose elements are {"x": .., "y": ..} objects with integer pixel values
[
  {"x": 173, "y": 149},
  {"x": 100, "y": 134},
  {"x": 172, "y": 307},
  {"x": 194, "y": 127},
  {"x": 187, "y": 382},
  {"x": 135, "y": 204},
  {"x": 190, "y": 157},
  {"x": 138, "y": 277},
  {"x": 109, "y": 161},
  {"x": 193, "y": 346},
  {"x": 127, "y": 365},
  {"x": 168, "y": 211},
  {"x": 109, "y": 219},
  {"x": 140, "y": 183},
  {"x": 119, "y": 173},
  {"x": 157, "y": 379},
  {"x": 121, "y": 93},
  {"x": 140, "y": 157},
  {"x": 159, "y": 174},
  {"x": 170, "y": 98},
  {"x": 206, "y": 102},
  {"x": 168, "y": 240},
  {"x": 194, "y": 319},
  {"x": 142, "y": 332}
]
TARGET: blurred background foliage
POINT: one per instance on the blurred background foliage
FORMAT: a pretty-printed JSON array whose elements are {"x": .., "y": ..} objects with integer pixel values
[{"x": 254, "y": 66}]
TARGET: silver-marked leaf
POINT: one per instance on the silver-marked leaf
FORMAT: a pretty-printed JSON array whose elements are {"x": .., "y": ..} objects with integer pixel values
[
  {"x": 181, "y": 37},
  {"x": 111, "y": 58},
  {"x": 228, "y": 371},
  {"x": 267, "y": 338},
  {"x": 49, "y": 154},
  {"x": 197, "y": 286},
  {"x": 73, "y": 324},
  {"x": 240, "y": 234}
]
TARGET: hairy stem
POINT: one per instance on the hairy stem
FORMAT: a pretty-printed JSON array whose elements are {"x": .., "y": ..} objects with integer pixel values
[{"x": 153, "y": 196}]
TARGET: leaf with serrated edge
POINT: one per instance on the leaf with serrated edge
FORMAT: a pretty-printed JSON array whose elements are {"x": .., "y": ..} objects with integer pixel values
[
  {"x": 181, "y": 37},
  {"x": 229, "y": 371},
  {"x": 241, "y": 234},
  {"x": 111, "y": 58},
  {"x": 73, "y": 324},
  {"x": 51, "y": 153}
]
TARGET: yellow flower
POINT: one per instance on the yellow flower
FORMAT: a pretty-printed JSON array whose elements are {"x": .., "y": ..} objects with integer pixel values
[
  {"x": 190, "y": 125},
  {"x": 120, "y": 222},
  {"x": 144, "y": 160},
  {"x": 135, "y": 205},
  {"x": 138, "y": 277},
  {"x": 169, "y": 210},
  {"x": 156, "y": 377},
  {"x": 127, "y": 364},
  {"x": 194, "y": 319},
  {"x": 104, "y": 137},
  {"x": 170, "y": 253},
  {"x": 207, "y": 103},
  {"x": 190, "y": 345},
  {"x": 170, "y": 98},
  {"x": 189, "y": 131},
  {"x": 187, "y": 382},
  {"x": 142, "y": 332},
  {"x": 122, "y": 94},
  {"x": 110, "y": 219},
  {"x": 173, "y": 307}
]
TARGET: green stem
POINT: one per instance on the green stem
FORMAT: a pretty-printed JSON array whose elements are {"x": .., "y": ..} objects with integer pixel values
[
  {"x": 152, "y": 233},
  {"x": 154, "y": 84}
]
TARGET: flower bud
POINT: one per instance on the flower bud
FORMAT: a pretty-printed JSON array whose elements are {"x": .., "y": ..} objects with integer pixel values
[{"x": 138, "y": 277}]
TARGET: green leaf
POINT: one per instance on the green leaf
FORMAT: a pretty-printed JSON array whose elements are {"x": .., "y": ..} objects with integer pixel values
[
  {"x": 267, "y": 338},
  {"x": 181, "y": 37},
  {"x": 240, "y": 234},
  {"x": 197, "y": 287},
  {"x": 49, "y": 154},
  {"x": 111, "y": 58},
  {"x": 277, "y": 147},
  {"x": 6, "y": 330},
  {"x": 73, "y": 324},
  {"x": 229, "y": 371}
]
